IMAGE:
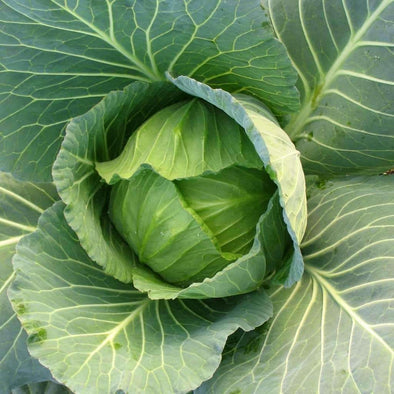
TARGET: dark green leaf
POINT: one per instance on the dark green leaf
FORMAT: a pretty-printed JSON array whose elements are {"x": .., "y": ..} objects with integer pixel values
[
  {"x": 41, "y": 388},
  {"x": 59, "y": 58},
  {"x": 21, "y": 204},
  {"x": 343, "y": 52}
]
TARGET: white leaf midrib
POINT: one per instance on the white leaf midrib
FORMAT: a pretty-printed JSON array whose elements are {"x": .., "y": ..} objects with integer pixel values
[
  {"x": 10, "y": 241},
  {"x": 19, "y": 198},
  {"x": 20, "y": 226},
  {"x": 7, "y": 282}
]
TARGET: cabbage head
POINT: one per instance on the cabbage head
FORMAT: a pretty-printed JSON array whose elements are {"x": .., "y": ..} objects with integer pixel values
[
  {"x": 195, "y": 208},
  {"x": 201, "y": 197}
]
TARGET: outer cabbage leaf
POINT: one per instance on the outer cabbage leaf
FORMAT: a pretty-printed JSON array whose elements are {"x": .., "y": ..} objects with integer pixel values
[
  {"x": 97, "y": 334},
  {"x": 21, "y": 204},
  {"x": 100, "y": 134},
  {"x": 41, "y": 388},
  {"x": 59, "y": 58},
  {"x": 333, "y": 331},
  {"x": 343, "y": 52}
]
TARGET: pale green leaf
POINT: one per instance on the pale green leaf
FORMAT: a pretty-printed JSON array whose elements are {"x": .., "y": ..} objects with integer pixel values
[
  {"x": 21, "y": 204},
  {"x": 97, "y": 334},
  {"x": 150, "y": 214},
  {"x": 343, "y": 52},
  {"x": 333, "y": 331},
  {"x": 183, "y": 140},
  {"x": 59, "y": 58},
  {"x": 230, "y": 204}
]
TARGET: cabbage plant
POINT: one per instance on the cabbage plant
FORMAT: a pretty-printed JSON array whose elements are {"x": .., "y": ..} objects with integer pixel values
[{"x": 196, "y": 196}]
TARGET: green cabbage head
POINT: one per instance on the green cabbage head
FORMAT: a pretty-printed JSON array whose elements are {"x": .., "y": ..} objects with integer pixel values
[{"x": 198, "y": 196}]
